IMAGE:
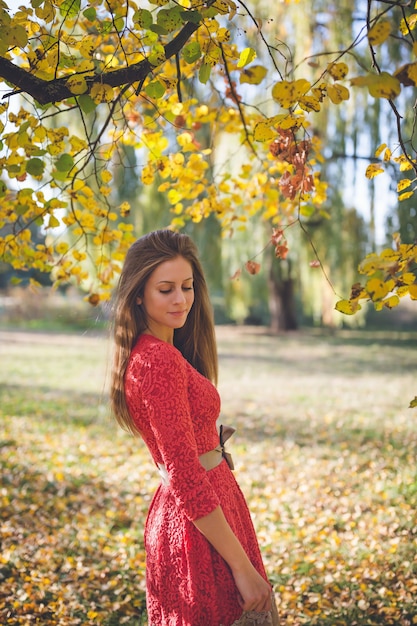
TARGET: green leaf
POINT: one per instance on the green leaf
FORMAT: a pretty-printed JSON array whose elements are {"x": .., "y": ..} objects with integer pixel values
[
  {"x": 86, "y": 103},
  {"x": 158, "y": 30},
  {"x": 155, "y": 89},
  {"x": 64, "y": 163},
  {"x": 106, "y": 26},
  {"x": 70, "y": 8},
  {"x": 18, "y": 36},
  {"x": 60, "y": 176},
  {"x": 119, "y": 24},
  {"x": 307, "y": 210},
  {"x": 191, "y": 16},
  {"x": 90, "y": 14},
  {"x": 143, "y": 18},
  {"x": 413, "y": 403},
  {"x": 157, "y": 56},
  {"x": 191, "y": 52},
  {"x": 209, "y": 13},
  {"x": 21, "y": 209},
  {"x": 3, "y": 42},
  {"x": 170, "y": 19},
  {"x": 204, "y": 73},
  {"x": 35, "y": 167},
  {"x": 53, "y": 222}
]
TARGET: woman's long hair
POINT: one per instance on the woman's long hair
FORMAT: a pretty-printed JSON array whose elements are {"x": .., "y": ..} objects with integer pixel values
[{"x": 196, "y": 339}]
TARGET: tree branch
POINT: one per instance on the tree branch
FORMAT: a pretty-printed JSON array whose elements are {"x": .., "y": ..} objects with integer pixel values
[{"x": 46, "y": 92}]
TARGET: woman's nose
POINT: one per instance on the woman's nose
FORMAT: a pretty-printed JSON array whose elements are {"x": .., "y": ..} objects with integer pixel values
[{"x": 179, "y": 295}]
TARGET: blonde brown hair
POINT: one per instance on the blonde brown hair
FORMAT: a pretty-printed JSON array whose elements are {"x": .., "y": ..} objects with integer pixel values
[{"x": 196, "y": 339}]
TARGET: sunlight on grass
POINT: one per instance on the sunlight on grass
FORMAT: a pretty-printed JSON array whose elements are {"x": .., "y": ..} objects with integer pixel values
[{"x": 325, "y": 452}]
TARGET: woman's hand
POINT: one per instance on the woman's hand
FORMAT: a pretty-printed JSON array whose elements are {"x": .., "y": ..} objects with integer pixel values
[{"x": 255, "y": 593}]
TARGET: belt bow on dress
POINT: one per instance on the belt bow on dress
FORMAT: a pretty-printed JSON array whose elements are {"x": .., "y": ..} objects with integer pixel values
[{"x": 211, "y": 459}]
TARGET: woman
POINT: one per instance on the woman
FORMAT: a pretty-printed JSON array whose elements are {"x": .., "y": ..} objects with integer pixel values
[{"x": 203, "y": 565}]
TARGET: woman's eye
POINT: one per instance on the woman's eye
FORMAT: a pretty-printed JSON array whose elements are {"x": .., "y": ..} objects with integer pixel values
[{"x": 166, "y": 291}]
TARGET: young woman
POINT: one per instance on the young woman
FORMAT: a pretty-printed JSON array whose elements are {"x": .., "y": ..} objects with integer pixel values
[{"x": 203, "y": 563}]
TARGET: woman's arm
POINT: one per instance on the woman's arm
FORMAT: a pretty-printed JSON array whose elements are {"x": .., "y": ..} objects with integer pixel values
[{"x": 254, "y": 590}]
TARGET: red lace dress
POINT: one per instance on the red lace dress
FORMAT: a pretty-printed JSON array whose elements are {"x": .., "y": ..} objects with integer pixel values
[{"x": 176, "y": 408}]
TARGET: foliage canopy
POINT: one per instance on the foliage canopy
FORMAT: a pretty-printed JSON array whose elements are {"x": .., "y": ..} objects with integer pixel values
[{"x": 170, "y": 79}]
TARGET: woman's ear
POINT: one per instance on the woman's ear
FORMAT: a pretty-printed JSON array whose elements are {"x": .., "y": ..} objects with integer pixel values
[{"x": 138, "y": 301}]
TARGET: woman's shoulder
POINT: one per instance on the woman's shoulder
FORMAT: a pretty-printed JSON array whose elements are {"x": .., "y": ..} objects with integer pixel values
[
  {"x": 153, "y": 362},
  {"x": 150, "y": 350}
]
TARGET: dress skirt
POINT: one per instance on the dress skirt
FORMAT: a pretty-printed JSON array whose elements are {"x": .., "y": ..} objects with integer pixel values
[{"x": 188, "y": 583}]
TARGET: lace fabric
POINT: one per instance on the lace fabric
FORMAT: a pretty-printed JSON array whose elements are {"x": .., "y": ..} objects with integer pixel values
[{"x": 176, "y": 410}]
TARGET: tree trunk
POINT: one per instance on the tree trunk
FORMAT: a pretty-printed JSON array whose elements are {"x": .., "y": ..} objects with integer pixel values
[{"x": 282, "y": 305}]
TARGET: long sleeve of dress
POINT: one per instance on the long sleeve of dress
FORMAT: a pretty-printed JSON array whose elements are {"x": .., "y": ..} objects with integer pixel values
[{"x": 157, "y": 395}]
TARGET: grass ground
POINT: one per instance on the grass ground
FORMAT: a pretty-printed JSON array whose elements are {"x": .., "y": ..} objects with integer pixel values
[{"x": 325, "y": 452}]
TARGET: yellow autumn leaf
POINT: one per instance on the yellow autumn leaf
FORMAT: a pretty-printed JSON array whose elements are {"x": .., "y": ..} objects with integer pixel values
[
  {"x": 403, "y": 184},
  {"x": 77, "y": 85},
  {"x": 86, "y": 68},
  {"x": 405, "y": 165},
  {"x": 408, "y": 278},
  {"x": 246, "y": 56},
  {"x": 174, "y": 196},
  {"x": 287, "y": 93},
  {"x": 407, "y": 74},
  {"x": 412, "y": 290},
  {"x": 264, "y": 132},
  {"x": 385, "y": 86},
  {"x": 106, "y": 176},
  {"x": 402, "y": 291},
  {"x": 62, "y": 247},
  {"x": 309, "y": 103},
  {"x": 382, "y": 85},
  {"x": 373, "y": 170},
  {"x": 379, "y": 32},
  {"x": 338, "y": 93},
  {"x": 100, "y": 92},
  {"x": 387, "y": 155},
  {"x": 389, "y": 253},
  {"x": 405, "y": 196},
  {"x": 338, "y": 70},
  {"x": 413, "y": 405},
  {"x": 378, "y": 289},
  {"x": 347, "y": 307},
  {"x": 392, "y": 302},
  {"x": 409, "y": 24},
  {"x": 380, "y": 150},
  {"x": 87, "y": 47},
  {"x": 253, "y": 75},
  {"x": 148, "y": 175}
]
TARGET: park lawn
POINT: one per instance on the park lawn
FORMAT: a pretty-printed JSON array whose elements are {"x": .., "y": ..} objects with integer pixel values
[{"x": 325, "y": 452}]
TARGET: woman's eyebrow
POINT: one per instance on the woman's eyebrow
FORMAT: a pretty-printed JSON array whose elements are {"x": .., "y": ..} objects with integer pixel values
[{"x": 172, "y": 282}]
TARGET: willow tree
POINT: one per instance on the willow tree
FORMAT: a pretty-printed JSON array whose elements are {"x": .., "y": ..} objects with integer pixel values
[{"x": 154, "y": 76}]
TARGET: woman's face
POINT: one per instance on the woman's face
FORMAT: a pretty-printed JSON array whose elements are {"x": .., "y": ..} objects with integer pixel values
[{"x": 168, "y": 298}]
